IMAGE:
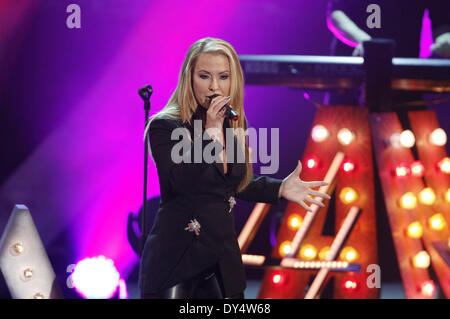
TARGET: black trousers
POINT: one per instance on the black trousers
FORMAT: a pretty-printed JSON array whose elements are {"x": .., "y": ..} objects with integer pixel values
[{"x": 206, "y": 285}]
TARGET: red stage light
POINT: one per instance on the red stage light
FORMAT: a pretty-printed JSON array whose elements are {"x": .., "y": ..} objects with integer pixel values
[
  {"x": 311, "y": 162},
  {"x": 417, "y": 169},
  {"x": 348, "y": 166},
  {"x": 402, "y": 170},
  {"x": 278, "y": 278},
  {"x": 349, "y": 285},
  {"x": 428, "y": 288}
]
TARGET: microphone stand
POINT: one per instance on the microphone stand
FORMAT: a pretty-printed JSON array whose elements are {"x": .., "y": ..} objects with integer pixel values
[{"x": 145, "y": 93}]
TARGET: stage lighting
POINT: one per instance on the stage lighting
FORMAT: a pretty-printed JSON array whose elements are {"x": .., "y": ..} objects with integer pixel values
[
  {"x": 438, "y": 137},
  {"x": 319, "y": 133},
  {"x": 349, "y": 285},
  {"x": 407, "y": 139},
  {"x": 444, "y": 165},
  {"x": 408, "y": 201},
  {"x": 345, "y": 136},
  {"x": 95, "y": 278},
  {"x": 24, "y": 262},
  {"x": 421, "y": 260},
  {"x": 427, "y": 196},
  {"x": 402, "y": 170},
  {"x": 308, "y": 252},
  {"x": 415, "y": 230},
  {"x": 348, "y": 195},
  {"x": 285, "y": 248},
  {"x": 437, "y": 222},
  {"x": 349, "y": 254},
  {"x": 428, "y": 288},
  {"x": 311, "y": 162},
  {"x": 348, "y": 166},
  {"x": 417, "y": 169},
  {"x": 278, "y": 278},
  {"x": 294, "y": 221}
]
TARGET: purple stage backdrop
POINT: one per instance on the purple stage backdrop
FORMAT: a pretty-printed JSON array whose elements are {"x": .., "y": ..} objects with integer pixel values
[{"x": 72, "y": 121}]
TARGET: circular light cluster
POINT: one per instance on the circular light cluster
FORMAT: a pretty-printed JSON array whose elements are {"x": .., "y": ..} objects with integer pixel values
[
  {"x": 438, "y": 137},
  {"x": 294, "y": 221},
  {"x": 437, "y": 222},
  {"x": 308, "y": 252},
  {"x": 95, "y": 278},
  {"x": 444, "y": 165},
  {"x": 427, "y": 196},
  {"x": 408, "y": 201},
  {"x": 417, "y": 169},
  {"x": 348, "y": 195},
  {"x": 345, "y": 136},
  {"x": 319, "y": 133},
  {"x": 415, "y": 230},
  {"x": 421, "y": 260},
  {"x": 349, "y": 254},
  {"x": 285, "y": 248}
]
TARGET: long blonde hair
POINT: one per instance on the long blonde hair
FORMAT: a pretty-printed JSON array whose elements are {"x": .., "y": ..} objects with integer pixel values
[{"x": 182, "y": 104}]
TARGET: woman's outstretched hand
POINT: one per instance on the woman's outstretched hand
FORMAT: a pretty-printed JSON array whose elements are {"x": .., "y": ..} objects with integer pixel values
[{"x": 295, "y": 190}]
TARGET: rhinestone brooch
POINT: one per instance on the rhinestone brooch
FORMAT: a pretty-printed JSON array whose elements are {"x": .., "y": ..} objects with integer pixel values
[
  {"x": 232, "y": 202},
  {"x": 194, "y": 226}
]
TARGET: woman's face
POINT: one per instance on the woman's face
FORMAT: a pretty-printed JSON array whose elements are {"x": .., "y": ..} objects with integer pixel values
[{"x": 211, "y": 76}]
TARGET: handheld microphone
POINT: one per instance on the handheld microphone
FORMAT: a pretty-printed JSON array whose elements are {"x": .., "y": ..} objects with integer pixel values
[{"x": 229, "y": 112}]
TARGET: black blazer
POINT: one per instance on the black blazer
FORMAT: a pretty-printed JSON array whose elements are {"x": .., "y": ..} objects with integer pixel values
[{"x": 196, "y": 190}]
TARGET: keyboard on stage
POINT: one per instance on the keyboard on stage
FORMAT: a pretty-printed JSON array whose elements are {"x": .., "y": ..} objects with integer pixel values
[{"x": 335, "y": 72}]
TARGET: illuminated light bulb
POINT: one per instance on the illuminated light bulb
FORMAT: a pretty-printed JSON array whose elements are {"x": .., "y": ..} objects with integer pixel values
[
  {"x": 417, "y": 169},
  {"x": 437, "y": 222},
  {"x": 348, "y": 166},
  {"x": 308, "y": 252},
  {"x": 319, "y": 133},
  {"x": 17, "y": 249},
  {"x": 428, "y": 288},
  {"x": 407, "y": 139},
  {"x": 294, "y": 221},
  {"x": 278, "y": 278},
  {"x": 415, "y": 230},
  {"x": 421, "y": 260},
  {"x": 96, "y": 278},
  {"x": 28, "y": 274},
  {"x": 311, "y": 162},
  {"x": 447, "y": 196},
  {"x": 348, "y": 195},
  {"x": 349, "y": 254},
  {"x": 349, "y": 285},
  {"x": 427, "y": 196},
  {"x": 438, "y": 137},
  {"x": 444, "y": 165},
  {"x": 402, "y": 170},
  {"x": 285, "y": 248},
  {"x": 38, "y": 296},
  {"x": 324, "y": 252},
  {"x": 345, "y": 136},
  {"x": 408, "y": 201}
]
